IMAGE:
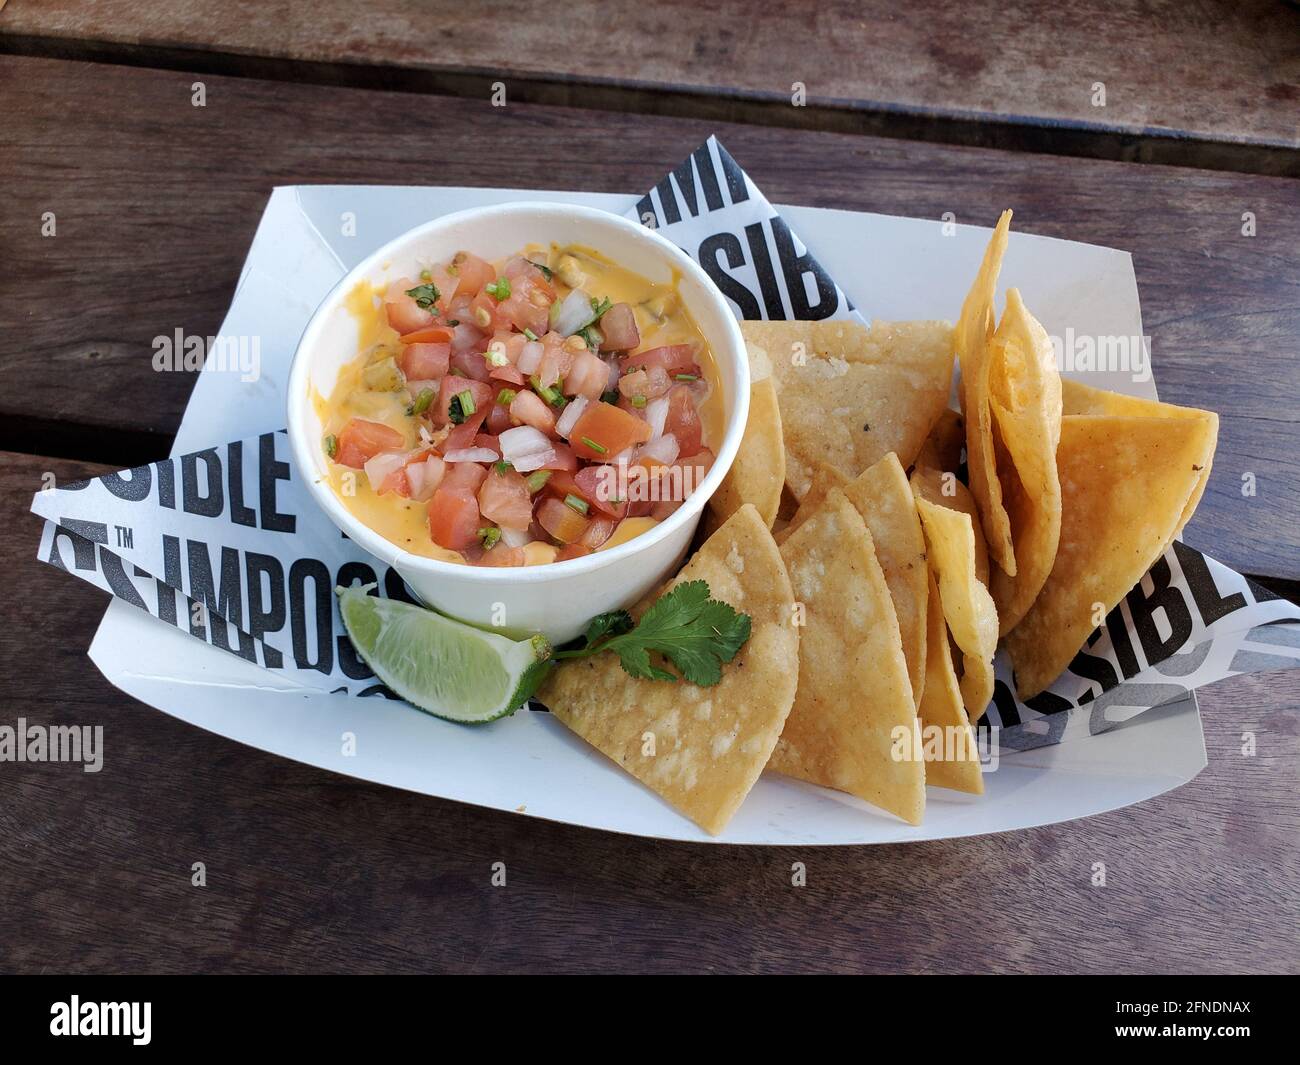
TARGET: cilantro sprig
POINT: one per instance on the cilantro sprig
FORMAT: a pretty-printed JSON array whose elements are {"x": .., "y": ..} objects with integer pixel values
[{"x": 694, "y": 632}]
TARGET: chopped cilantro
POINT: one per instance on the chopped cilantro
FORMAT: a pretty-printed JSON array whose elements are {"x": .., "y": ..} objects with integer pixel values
[{"x": 425, "y": 295}]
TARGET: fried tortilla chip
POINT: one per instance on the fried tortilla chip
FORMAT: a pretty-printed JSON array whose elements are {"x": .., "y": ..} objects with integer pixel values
[
  {"x": 951, "y": 538},
  {"x": 1126, "y": 484},
  {"x": 956, "y": 765},
  {"x": 943, "y": 447},
  {"x": 976, "y": 685},
  {"x": 709, "y": 744},
  {"x": 944, "y": 490},
  {"x": 884, "y": 499},
  {"x": 849, "y": 395},
  {"x": 853, "y": 690},
  {"x": 758, "y": 474},
  {"x": 974, "y": 333},
  {"x": 1025, "y": 397},
  {"x": 1077, "y": 398},
  {"x": 824, "y": 478}
]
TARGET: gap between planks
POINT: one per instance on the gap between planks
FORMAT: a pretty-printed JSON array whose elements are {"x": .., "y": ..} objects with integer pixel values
[{"x": 860, "y": 117}]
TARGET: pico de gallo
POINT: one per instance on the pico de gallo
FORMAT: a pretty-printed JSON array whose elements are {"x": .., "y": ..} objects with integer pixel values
[{"x": 520, "y": 412}]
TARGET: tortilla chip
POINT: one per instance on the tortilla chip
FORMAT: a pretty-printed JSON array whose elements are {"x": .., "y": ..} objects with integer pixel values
[
  {"x": 1077, "y": 398},
  {"x": 974, "y": 332},
  {"x": 853, "y": 690},
  {"x": 1126, "y": 484},
  {"x": 710, "y": 744},
  {"x": 943, "y": 447},
  {"x": 884, "y": 499},
  {"x": 958, "y": 766},
  {"x": 1025, "y": 397},
  {"x": 849, "y": 395},
  {"x": 824, "y": 478},
  {"x": 951, "y": 537},
  {"x": 944, "y": 490},
  {"x": 977, "y": 679},
  {"x": 758, "y": 474}
]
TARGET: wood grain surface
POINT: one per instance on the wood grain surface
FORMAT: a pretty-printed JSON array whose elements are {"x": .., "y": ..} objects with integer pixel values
[
  {"x": 1211, "y": 84},
  {"x": 156, "y": 202},
  {"x": 910, "y": 110},
  {"x": 309, "y": 871}
]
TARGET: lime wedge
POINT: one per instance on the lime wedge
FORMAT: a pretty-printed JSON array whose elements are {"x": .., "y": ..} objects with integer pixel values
[{"x": 448, "y": 668}]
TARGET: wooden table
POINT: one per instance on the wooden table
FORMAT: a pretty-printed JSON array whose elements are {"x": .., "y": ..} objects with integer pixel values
[{"x": 907, "y": 113}]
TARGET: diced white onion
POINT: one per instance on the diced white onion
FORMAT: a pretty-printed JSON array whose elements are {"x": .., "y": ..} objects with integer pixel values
[
  {"x": 574, "y": 313},
  {"x": 379, "y": 467},
  {"x": 663, "y": 448},
  {"x": 424, "y": 477},
  {"x": 570, "y": 417},
  {"x": 656, "y": 413},
  {"x": 470, "y": 454},
  {"x": 535, "y": 460},
  {"x": 514, "y": 537},
  {"x": 530, "y": 357},
  {"x": 615, "y": 372},
  {"x": 526, "y": 448}
]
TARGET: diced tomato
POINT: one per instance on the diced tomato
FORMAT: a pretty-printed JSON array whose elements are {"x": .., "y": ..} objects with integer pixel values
[
  {"x": 425, "y": 362},
  {"x": 683, "y": 420},
  {"x": 519, "y": 267},
  {"x": 527, "y": 306},
  {"x": 498, "y": 419},
  {"x": 463, "y": 435},
  {"x": 560, "y": 520},
  {"x": 404, "y": 314},
  {"x": 446, "y": 286},
  {"x": 471, "y": 364},
  {"x": 453, "y": 511},
  {"x": 503, "y": 498},
  {"x": 501, "y": 555},
  {"x": 471, "y": 272},
  {"x": 610, "y": 429},
  {"x": 527, "y": 408},
  {"x": 569, "y": 551},
  {"x": 465, "y": 475},
  {"x": 587, "y": 376},
  {"x": 434, "y": 334},
  {"x": 481, "y": 393},
  {"x": 362, "y": 440},
  {"x": 679, "y": 479},
  {"x": 618, "y": 327},
  {"x": 598, "y": 531},
  {"x": 556, "y": 360},
  {"x": 508, "y": 374},
  {"x": 489, "y": 442},
  {"x": 565, "y": 460},
  {"x": 599, "y": 486},
  {"x": 665, "y": 509},
  {"x": 675, "y": 358},
  {"x": 485, "y": 312},
  {"x": 562, "y": 483},
  {"x": 396, "y": 482}
]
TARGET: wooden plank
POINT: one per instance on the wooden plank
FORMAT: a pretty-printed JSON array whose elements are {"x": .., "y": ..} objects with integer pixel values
[
  {"x": 291, "y": 854},
  {"x": 156, "y": 202},
  {"x": 1225, "y": 91}
]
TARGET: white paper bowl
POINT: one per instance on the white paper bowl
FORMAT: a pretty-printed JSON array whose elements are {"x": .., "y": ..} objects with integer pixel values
[{"x": 556, "y": 599}]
